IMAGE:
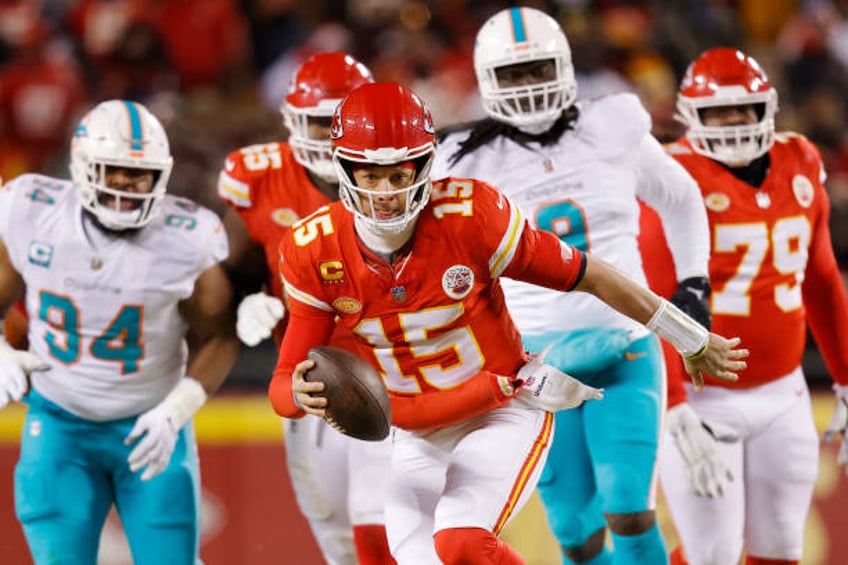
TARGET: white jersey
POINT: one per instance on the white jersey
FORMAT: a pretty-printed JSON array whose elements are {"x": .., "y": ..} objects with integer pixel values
[
  {"x": 584, "y": 187},
  {"x": 103, "y": 308}
]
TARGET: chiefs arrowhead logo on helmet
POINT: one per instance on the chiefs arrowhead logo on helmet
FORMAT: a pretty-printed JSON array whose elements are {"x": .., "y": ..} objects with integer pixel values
[{"x": 336, "y": 129}]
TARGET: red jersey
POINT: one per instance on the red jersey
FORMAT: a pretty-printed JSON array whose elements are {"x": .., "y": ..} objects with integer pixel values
[
  {"x": 434, "y": 323},
  {"x": 772, "y": 268},
  {"x": 271, "y": 191}
]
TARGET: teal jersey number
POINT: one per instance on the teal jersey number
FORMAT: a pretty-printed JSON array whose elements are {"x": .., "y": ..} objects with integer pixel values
[
  {"x": 567, "y": 221},
  {"x": 181, "y": 220},
  {"x": 120, "y": 342},
  {"x": 40, "y": 192},
  {"x": 64, "y": 343},
  {"x": 38, "y": 195}
]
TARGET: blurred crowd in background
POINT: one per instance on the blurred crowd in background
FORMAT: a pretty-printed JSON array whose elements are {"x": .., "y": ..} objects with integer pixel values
[{"x": 215, "y": 71}]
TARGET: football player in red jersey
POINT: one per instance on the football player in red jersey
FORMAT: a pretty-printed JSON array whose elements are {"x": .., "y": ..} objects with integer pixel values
[
  {"x": 411, "y": 267},
  {"x": 772, "y": 272},
  {"x": 269, "y": 187}
]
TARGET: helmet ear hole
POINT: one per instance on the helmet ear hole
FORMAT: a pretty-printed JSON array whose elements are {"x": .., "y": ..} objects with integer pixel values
[
  {"x": 420, "y": 163},
  {"x": 348, "y": 167}
]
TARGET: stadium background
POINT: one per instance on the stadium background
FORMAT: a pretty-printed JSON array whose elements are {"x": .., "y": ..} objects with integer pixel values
[{"x": 215, "y": 72}]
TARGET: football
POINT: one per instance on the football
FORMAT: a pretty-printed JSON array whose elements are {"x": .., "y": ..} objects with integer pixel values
[
  {"x": 357, "y": 400},
  {"x": 16, "y": 325}
]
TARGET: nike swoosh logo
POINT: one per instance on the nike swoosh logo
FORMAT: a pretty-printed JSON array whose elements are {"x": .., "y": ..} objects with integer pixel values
[
  {"x": 697, "y": 292},
  {"x": 633, "y": 356}
]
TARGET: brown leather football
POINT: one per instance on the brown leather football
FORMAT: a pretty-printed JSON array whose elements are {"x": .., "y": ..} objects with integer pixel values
[{"x": 357, "y": 400}]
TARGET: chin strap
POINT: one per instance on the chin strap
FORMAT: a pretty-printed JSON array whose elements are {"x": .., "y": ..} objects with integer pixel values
[{"x": 383, "y": 243}]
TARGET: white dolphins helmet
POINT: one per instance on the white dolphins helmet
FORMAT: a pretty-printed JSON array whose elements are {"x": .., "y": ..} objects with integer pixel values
[
  {"x": 120, "y": 133},
  {"x": 522, "y": 35}
]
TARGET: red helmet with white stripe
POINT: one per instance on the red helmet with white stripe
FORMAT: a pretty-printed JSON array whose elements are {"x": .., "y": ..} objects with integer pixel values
[
  {"x": 727, "y": 77},
  {"x": 383, "y": 123}
]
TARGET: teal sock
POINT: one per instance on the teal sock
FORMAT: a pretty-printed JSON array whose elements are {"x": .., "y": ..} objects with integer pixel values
[
  {"x": 603, "y": 558},
  {"x": 647, "y": 547}
]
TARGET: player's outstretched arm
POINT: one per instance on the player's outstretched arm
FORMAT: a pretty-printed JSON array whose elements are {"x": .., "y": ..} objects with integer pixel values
[
  {"x": 703, "y": 352},
  {"x": 209, "y": 315}
]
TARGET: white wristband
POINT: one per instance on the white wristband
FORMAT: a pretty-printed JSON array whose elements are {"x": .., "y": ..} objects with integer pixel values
[
  {"x": 184, "y": 400},
  {"x": 686, "y": 335}
]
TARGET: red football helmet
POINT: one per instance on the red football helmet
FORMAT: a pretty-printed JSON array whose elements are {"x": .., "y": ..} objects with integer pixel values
[
  {"x": 383, "y": 124},
  {"x": 316, "y": 89},
  {"x": 727, "y": 77}
]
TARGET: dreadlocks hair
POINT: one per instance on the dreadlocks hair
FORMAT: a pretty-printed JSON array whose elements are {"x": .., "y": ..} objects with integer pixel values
[{"x": 485, "y": 130}]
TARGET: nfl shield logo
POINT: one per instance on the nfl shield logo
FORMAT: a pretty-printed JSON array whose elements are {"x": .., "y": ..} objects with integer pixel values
[{"x": 399, "y": 293}]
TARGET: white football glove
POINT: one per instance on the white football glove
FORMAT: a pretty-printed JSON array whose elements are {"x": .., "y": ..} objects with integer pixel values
[
  {"x": 696, "y": 440},
  {"x": 839, "y": 424},
  {"x": 160, "y": 426},
  {"x": 258, "y": 314},
  {"x": 15, "y": 367},
  {"x": 547, "y": 388}
]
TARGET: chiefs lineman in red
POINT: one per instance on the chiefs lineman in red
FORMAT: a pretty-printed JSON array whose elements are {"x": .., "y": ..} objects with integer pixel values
[
  {"x": 411, "y": 267},
  {"x": 773, "y": 272},
  {"x": 269, "y": 187}
]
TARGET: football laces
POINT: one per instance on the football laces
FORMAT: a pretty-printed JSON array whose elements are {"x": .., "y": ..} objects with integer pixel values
[{"x": 334, "y": 424}]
